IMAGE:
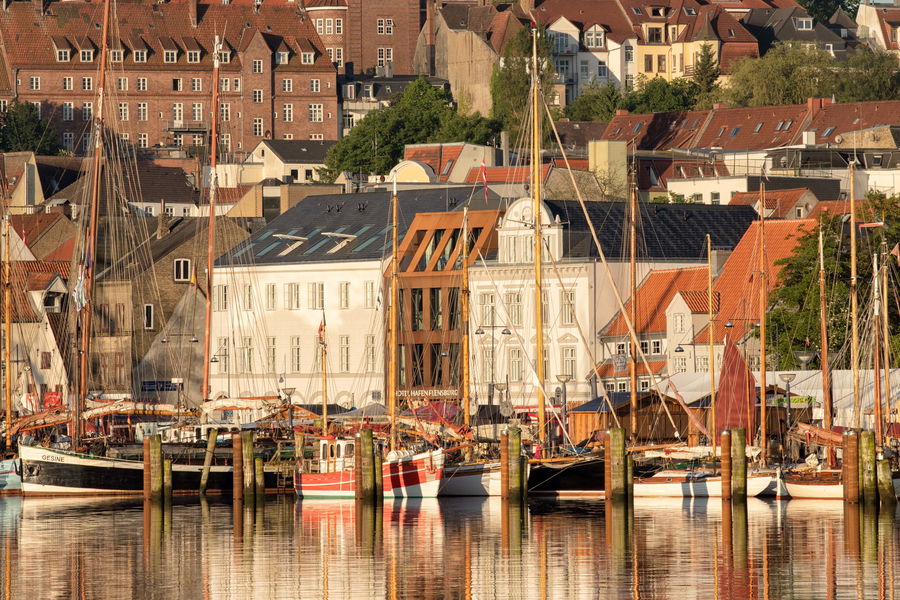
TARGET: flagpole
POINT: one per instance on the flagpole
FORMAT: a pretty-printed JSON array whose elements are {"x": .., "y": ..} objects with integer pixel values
[{"x": 324, "y": 352}]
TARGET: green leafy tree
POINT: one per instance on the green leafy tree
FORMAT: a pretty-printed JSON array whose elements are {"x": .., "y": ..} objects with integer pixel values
[
  {"x": 423, "y": 113},
  {"x": 822, "y": 10},
  {"x": 786, "y": 74},
  {"x": 706, "y": 70},
  {"x": 21, "y": 129},
  {"x": 868, "y": 75},
  {"x": 511, "y": 80},
  {"x": 659, "y": 95},
  {"x": 794, "y": 313},
  {"x": 596, "y": 103}
]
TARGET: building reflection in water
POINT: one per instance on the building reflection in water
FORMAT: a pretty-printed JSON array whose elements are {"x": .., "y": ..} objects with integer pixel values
[{"x": 455, "y": 548}]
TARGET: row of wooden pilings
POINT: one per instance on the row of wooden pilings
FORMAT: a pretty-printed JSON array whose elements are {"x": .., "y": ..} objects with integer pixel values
[
  {"x": 248, "y": 484},
  {"x": 866, "y": 477}
]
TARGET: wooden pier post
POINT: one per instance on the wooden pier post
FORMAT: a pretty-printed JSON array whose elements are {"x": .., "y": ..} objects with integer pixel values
[
  {"x": 504, "y": 466},
  {"x": 607, "y": 466},
  {"x": 213, "y": 434},
  {"x": 867, "y": 464},
  {"x": 167, "y": 480},
  {"x": 249, "y": 469},
  {"x": 617, "y": 468},
  {"x": 156, "y": 468},
  {"x": 148, "y": 469},
  {"x": 515, "y": 468},
  {"x": 378, "y": 476},
  {"x": 629, "y": 476},
  {"x": 739, "y": 463},
  {"x": 850, "y": 466},
  {"x": 725, "y": 445},
  {"x": 885, "y": 484},
  {"x": 365, "y": 477},
  {"x": 259, "y": 477},
  {"x": 237, "y": 465}
]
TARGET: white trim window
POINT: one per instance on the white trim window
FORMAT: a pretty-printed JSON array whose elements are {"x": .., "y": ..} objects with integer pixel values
[{"x": 181, "y": 270}]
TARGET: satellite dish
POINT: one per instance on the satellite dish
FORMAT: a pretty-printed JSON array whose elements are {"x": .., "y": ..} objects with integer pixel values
[{"x": 506, "y": 409}]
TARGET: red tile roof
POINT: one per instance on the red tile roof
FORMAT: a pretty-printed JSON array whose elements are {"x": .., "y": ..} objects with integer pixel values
[
  {"x": 30, "y": 227},
  {"x": 753, "y": 128},
  {"x": 838, "y": 119},
  {"x": 738, "y": 283},
  {"x": 653, "y": 296},
  {"x": 440, "y": 157},
  {"x": 505, "y": 174},
  {"x": 656, "y": 131},
  {"x": 587, "y": 13},
  {"x": 64, "y": 251},
  {"x": 609, "y": 369},
  {"x": 698, "y": 300},
  {"x": 31, "y": 275},
  {"x": 781, "y": 202}
]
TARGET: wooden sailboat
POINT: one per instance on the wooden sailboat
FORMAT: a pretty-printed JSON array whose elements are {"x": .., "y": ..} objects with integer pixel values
[{"x": 404, "y": 473}]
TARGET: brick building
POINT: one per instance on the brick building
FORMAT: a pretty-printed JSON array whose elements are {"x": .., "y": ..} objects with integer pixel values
[{"x": 276, "y": 78}]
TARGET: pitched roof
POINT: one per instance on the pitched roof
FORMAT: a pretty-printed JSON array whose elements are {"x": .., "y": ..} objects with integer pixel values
[
  {"x": 440, "y": 157},
  {"x": 779, "y": 201},
  {"x": 505, "y": 174},
  {"x": 653, "y": 296},
  {"x": 752, "y": 128},
  {"x": 147, "y": 183},
  {"x": 31, "y": 275},
  {"x": 836, "y": 119},
  {"x": 608, "y": 369},
  {"x": 738, "y": 282},
  {"x": 587, "y": 13},
  {"x": 575, "y": 135},
  {"x": 300, "y": 151},
  {"x": 698, "y": 300},
  {"x": 656, "y": 131}
]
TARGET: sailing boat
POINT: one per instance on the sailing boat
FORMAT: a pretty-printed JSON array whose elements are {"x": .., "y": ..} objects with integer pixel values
[{"x": 404, "y": 473}]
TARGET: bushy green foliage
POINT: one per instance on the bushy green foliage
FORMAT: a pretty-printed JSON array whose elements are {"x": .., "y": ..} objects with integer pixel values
[{"x": 21, "y": 129}]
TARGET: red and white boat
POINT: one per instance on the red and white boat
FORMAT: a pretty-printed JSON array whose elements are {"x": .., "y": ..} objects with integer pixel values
[
  {"x": 404, "y": 474},
  {"x": 822, "y": 485}
]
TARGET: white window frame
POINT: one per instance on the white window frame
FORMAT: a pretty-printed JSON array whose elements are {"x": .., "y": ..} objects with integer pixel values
[{"x": 181, "y": 270}]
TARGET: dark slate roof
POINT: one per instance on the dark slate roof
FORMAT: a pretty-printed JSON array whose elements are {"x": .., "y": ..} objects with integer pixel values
[
  {"x": 300, "y": 151},
  {"x": 770, "y": 26},
  {"x": 386, "y": 88},
  {"x": 666, "y": 231},
  {"x": 575, "y": 135},
  {"x": 366, "y": 216},
  {"x": 823, "y": 188}
]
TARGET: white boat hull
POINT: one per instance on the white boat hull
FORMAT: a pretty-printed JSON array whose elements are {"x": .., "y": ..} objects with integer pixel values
[
  {"x": 480, "y": 479},
  {"x": 708, "y": 487},
  {"x": 824, "y": 491}
]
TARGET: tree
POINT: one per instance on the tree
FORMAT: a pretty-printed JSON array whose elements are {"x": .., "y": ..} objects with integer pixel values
[
  {"x": 423, "y": 113},
  {"x": 596, "y": 103},
  {"x": 659, "y": 95},
  {"x": 22, "y": 129},
  {"x": 821, "y": 10},
  {"x": 868, "y": 75},
  {"x": 511, "y": 80},
  {"x": 793, "y": 315},
  {"x": 706, "y": 70}
]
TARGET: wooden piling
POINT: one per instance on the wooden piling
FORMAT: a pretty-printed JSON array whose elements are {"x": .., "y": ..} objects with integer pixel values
[
  {"x": 213, "y": 434},
  {"x": 167, "y": 480},
  {"x": 515, "y": 468},
  {"x": 156, "y": 468},
  {"x": 739, "y": 463},
  {"x": 607, "y": 466},
  {"x": 259, "y": 479},
  {"x": 629, "y": 476},
  {"x": 365, "y": 480},
  {"x": 617, "y": 469},
  {"x": 249, "y": 469},
  {"x": 867, "y": 464},
  {"x": 725, "y": 445},
  {"x": 885, "y": 484},
  {"x": 379, "y": 481},
  {"x": 237, "y": 463},
  {"x": 504, "y": 465},
  {"x": 850, "y": 466},
  {"x": 148, "y": 468}
]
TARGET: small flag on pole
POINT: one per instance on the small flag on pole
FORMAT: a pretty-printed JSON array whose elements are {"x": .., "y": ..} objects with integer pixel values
[
  {"x": 484, "y": 181},
  {"x": 321, "y": 332}
]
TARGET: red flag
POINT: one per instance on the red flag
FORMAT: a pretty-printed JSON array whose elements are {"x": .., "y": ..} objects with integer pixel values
[
  {"x": 321, "y": 332},
  {"x": 896, "y": 252},
  {"x": 484, "y": 180},
  {"x": 734, "y": 407}
]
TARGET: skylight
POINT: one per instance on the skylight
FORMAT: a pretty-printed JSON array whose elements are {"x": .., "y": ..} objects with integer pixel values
[
  {"x": 828, "y": 132},
  {"x": 636, "y": 10},
  {"x": 758, "y": 127}
]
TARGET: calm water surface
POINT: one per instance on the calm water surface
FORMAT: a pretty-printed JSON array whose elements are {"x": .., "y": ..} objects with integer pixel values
[{"x": 456, "y": 548}]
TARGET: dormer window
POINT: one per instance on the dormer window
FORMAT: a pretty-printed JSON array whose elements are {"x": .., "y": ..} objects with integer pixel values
[
  {"x": 657, "y": 11},
  {"x": 778, "y": 127},
  {"x": 690, "y": 11},
  {"x": 170, "y": 56},
  {"x": 225, "y": 56},
  {"x": 63, "y": 55},
  {"x": 193, "y": 56},
  {"x": 828, "y": 132},
  {"x": 595, "y": 37},
  {"x": 116, "y": 56},
  {"x": 140, "y": 56},
  {"x": 282, "y": 58},
  {"x": 307, "y": 58},
  {"x": 805, "y": 24},
  {"x": 87, "y": 55}
]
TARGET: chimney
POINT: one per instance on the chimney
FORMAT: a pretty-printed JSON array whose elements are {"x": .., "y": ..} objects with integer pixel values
[
  {"x": 621, "y": 112},
  {"x": 192, "y": 11},
  {"x": 718, "y": 106},
  {"x": 813, "y": 105},
  {"x": 504, "y": 147},
  {"x": 38, "y": 6},
  {"x": 162, "y": 221}
]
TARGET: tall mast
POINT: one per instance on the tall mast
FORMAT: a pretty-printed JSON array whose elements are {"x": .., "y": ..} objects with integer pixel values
[
  {"x": 323, "y": 346},
  {"x": 211, "y": 226},
  {"x": 886, "y": 334},
  {"x": 7, "y": 332},
  {"x": 464, "y": 309},
  {"x": 854, "y": 317},
  {"x": 823, "y": 332},
  {"x": 712, "y": 356},
  {"x": 90, "y": 257},
  {"x": 392, "y": 325},
  {"x": 763, "y": 302},
  {"x": 632, "y": 340},
  {"x": 538, "y": 245},
  {"x": 876, "y": 355}
]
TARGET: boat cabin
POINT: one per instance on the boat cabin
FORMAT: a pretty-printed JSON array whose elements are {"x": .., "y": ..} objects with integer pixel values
[{"x": 336, "y": 454}]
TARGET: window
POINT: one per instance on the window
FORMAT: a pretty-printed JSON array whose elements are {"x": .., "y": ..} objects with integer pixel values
[
  {"x": 715, "y": 198},
  {"x": 37, "y": 107},
  {"x": 329, "y": 26},
  {"x": 645, "y": 347},
  {"x": 144, "y": 141},
  {"x": 271, "y": 353},
  {"x": 513, "y": 302},
  {"x": 344, "y": 353},
  {"x": 142, "y": 111},
  {"x": 225, "y": 111},
  {"x": 661, "y": 63},
  {"x": 828, "y": 132},
  {"x": 804, "y": 24},
  {"x": 67, "y": 83},
  {"x": 296, "y": 367},
  {"x": 178, "y": 111},
  {"x": 68, "y": 111},
  {"x": 182, "y": 269},
  {"x": 197, "y": 111},
  {"x": 226, "y": 141},
  {"x": 196, "y": 84},
  {"x": 656, "y": 346},
  {"x": 122, "y": 84},
  {"x": 316, "y": 136},
  {"x": 315, "y": 113},
  {"x": 287, "y": 85},
  {"x": 344, "y": 294},
  {"x": 316, "y": 295},
  {"x": 193, "y": 56},
  {"x": 602, "y": 70},
  {"x": 87, "y": 110},
  {"x": 307, "y": 58},
  {"x": 258, "y": 127},
  {"x": 140, "y": 56},
  {"x": 338, "y": 58},
  {"x": 594, "y": 37},
  {"x": 567, "y": 299},
  {"x": 270, "y": 296},
  {"x": 257, "y": 96},
  {"x": 287, "y": 111},
  {"x": 224, "y": 84},
  {"x": 222, "y": 354},
  {"x": 225, "y": 56},
  {"x": 315, "y": 85},
  {"x": 246, "y": 355},
  {"x": 629, "y": 54},
  {"x": 569, "y": 361},
  {"x": 282, "y": 58},
  {"x": 142, "y": 84},
  {"x": 648, "y": 63},
  {"x": 247, "y": 296},
  {"x": 486, "y": 304},
  {"x": 257, "y": 66},
  {"x": 384, "y": 27},
  {"x": 123, "y": 111},
  {"x": 63, "y": 55},
  {"x": 176, "y": 84},
  {"x": 681, "y": 364},
  {"x": 34, "y": 83},
  {"x": 148, "y": 316},
  {"x": 339, "y": 26},
  {"x": 370, "y": 353},
  {"x": 87, "y": 55},
  {"x": 654, "y": 35},
  {"x": 385, "y": 55},
  {"x": 170, "y": 56},
  {"x": 291, "y": 296},
  {"x": 87, "y": 83},
  {"x": 678, "y": 322},
  {"x": 370, "y": 294},
  {"x": 220, "y": 298}
]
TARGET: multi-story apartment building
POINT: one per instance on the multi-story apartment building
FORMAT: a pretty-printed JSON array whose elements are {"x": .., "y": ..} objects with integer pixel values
[{"x": 276, "y": 79}]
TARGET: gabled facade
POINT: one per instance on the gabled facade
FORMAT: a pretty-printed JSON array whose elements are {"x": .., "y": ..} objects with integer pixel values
[
  {"x": 793, "y": 25},
  {"x": 879, "y": 25}
]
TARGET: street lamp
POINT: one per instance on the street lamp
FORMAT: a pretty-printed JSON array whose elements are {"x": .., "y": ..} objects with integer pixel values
[
  {"x": 491, "y": 384},
  {"x": 804, "y": 357},
  {"x": 564, "y": 412},
  {"x": 787, "y": 378},
  {"x": 288, "y": 392}
]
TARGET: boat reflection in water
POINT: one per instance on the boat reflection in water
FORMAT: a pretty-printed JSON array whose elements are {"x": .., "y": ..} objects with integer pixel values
[{"x": 445, "y": 548}]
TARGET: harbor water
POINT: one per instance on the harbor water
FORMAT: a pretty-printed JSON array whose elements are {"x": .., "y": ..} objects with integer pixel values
[{"x": 453, "y": 548}]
